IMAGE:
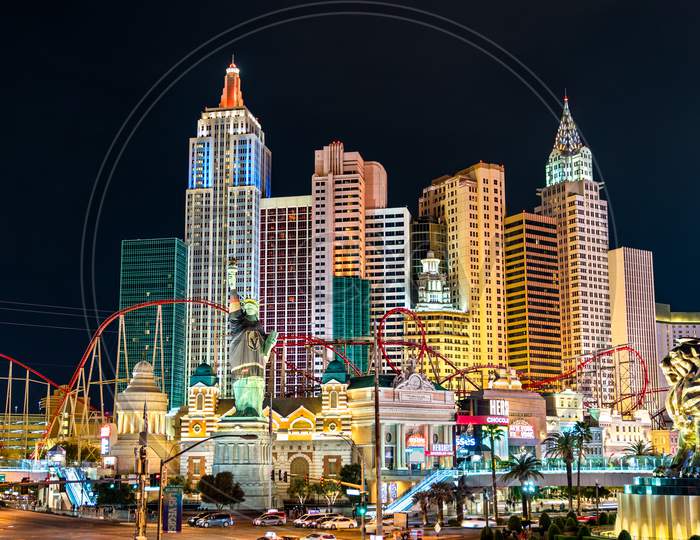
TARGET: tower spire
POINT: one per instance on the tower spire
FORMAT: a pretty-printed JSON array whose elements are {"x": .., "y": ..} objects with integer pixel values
[
  {"x": 232, "y": 96},
  {"x": 567, "y": 140}
]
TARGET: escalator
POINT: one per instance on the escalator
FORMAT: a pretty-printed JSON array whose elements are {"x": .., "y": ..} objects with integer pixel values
[
  {"x": 78, "y": 487},
  {"x": 405, "y": 502}
]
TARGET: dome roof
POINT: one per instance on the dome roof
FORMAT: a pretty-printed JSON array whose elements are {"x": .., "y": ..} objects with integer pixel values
[
  {"x": 143, "y": 379},
  {"x": 204, "y": 374},
  {"x": 335, "y": 371}
]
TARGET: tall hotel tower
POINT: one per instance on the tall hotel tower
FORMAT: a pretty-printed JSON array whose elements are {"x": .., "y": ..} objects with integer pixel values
[
  {"x": 572, "y": 198},
  {"x": 229, "y": 172},
  {"x": 471, "y": 205}
]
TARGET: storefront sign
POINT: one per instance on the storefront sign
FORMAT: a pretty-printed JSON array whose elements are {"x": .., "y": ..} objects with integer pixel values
[
  {"x": 415, "y": 440},
  {"x": 520, "y": 429},
  {"x": 441, "y": 449},
  {"x": 172, "y": 509},
  {"x": 499, "y": 407},
  {"x": 105, "y": 433},
  {"x": 465, "y": 419},
  {"x": 465, "y": 443}
]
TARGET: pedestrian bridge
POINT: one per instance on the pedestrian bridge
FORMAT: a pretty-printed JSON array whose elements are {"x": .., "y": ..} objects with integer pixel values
[{"x": 606, "y": 472}]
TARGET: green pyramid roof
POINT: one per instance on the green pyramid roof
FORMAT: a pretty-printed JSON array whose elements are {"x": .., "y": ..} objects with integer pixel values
[
  {"x": 335, "y": 371},
  {"x": 204, "y": 374}
]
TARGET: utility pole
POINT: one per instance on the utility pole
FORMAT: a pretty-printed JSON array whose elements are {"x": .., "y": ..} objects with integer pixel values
[
  {"x": 377, "y": 439},
  {"x": 271, "y": 363}
]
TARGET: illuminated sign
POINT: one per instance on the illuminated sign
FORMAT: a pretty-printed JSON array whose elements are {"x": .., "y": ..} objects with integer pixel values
[
  {"x": 464, "y": 419},
  {"x": 498, "y": 407},
  {"x": 415, "y": 440},
  {"x": 105, "y": 431},
  {"x": 520, "y": 429},
  {"x": 441, "y": 449},
  {"x": 104, "y": 446}
]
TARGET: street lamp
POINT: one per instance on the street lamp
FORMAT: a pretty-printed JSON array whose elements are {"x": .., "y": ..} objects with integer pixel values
[
  {"x": 164, "y": 462},
  {"x": 354, "y": 446},
  {"x": 596, "y": 501},
  {"x": 529, "y": 488}
]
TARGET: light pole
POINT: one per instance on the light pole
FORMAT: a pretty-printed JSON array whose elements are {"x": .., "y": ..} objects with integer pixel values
[
  {"x": 596, "y": 502},
  {"x": 486, "y": 506},
  {"x": 164, "y": 462},
  {"x": 362, "y": 476}
]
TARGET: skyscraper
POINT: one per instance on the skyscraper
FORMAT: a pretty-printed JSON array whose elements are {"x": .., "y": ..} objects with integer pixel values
[
  {"x": 285, "y": 285},
  {"x": 532, "y": 296},
  {"x": 388, "y": 269},
  {"x": 572, "y": 198},
  {"x": 345, "y": 188},
  {"x": 633, "y": 318},
  {"x": 229, "y": 172},
  {"x": 471, "y": 205},
  {"x": 155, "y": 269}
]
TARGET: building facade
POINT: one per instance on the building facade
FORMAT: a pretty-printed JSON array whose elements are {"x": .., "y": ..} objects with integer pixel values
[
  {"x": 351, "y": 317},
  {"x": 155, "y": 269},
  {"x": 427, "y": 236},
  {"x": 471, "y": 205},
  {"x": 533, "y": 318},
  {"x": 633, "y": 317},
  {"x": 388, "y": 269},
  {"x": 572, "y": 198},
  {"x": 229, "y": 172},
  {"x": 285, "y": 286},
  {"x": 345, "y": 190}
]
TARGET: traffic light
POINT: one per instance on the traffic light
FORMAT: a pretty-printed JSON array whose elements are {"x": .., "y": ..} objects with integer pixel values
[
  {"x": 361, "y": 509},
  {"x": 154, "y": 479},
  {"x": 111, "y": 485}
]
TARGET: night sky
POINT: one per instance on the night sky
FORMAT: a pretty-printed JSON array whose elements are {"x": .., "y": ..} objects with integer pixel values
[{"x": 419, "y": 101}]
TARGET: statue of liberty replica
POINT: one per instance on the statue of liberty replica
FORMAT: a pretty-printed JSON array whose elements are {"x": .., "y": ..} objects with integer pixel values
[{"x": 248, "y": 351}]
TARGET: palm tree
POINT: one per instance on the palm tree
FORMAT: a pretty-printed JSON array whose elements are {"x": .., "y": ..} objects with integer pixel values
[
  {"x": 441, "y": 494},
  {"x": 639, "y": 449},
  {"x": 422, "y": 499},
  {"x": 582, "y": 434},
  {"x": 494, "y": 433},
  {"x": 524, "y": 467},
  {"x": 563, "y": 446},
  {"x": 460, "y": 492}
]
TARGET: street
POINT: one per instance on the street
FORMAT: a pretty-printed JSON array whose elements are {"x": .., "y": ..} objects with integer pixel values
[{"x": 25, "y": 525}]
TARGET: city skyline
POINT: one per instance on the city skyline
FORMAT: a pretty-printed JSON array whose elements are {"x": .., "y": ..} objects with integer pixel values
[{"x": 524, "y": 166}]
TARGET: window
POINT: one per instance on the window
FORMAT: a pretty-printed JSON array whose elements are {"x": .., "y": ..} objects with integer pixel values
[
  {"x": 334, "y": 399},
  {"x": 200, "y": 402},
  {"x": 299, "y": 468}
]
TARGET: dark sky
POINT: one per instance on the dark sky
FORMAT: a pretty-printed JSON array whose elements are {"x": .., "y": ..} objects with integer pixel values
[{"x": 421, "y": 102}]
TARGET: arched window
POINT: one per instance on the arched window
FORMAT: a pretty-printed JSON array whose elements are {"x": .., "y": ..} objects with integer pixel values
[
  {"x": 299, "y": 468},
  {"x": 334, "y": 399},
  {"x": 200, "y": 402}
]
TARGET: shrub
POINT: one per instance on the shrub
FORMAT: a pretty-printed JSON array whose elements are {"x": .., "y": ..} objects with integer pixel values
[
  {"x": 695, "y": 537},
  {"x": 553, "y": 531},
  {"x": 514, "y": 524},
  {"x": 570, "y": 525},
  {"x": 571, "y": 514},
  {"x": 545, "y": 521},
  {"x": 583, "y": 532},
  {"x": 603, "y": 519},
  {"x": 612, "y": 518},
  {"x": 486, "y": 534},
  {"x": 498, "y": 535},
  {"x": 559, "y": 522},
  {"x": 624, "y": 535},
  {"x": 452, "y": 522}
]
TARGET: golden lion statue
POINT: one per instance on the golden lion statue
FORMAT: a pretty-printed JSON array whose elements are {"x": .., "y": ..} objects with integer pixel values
[{"x": 682, "y": 370}]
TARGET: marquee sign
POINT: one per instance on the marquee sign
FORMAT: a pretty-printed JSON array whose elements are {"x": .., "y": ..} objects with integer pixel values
[
  {"x": 441, "y": 449},
  {"x": 482, "y": 420},
  {"x": 520, "y": 429},
  {"x": 415, "y": 440}
]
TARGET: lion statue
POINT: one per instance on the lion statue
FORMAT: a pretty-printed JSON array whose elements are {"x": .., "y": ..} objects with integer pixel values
[{"x": 682, "y": 371}]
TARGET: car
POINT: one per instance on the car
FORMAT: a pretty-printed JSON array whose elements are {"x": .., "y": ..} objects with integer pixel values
[
  {"x": 319, "y": 536},
  {"x": 216, "y": 519},
  {"x": 340, "y": 522},
  {"x": 476, "y": 523},
  {"x": 318, "y": 520},
  {"x": 301, "y": 520},
  {"x": 192, "y": 522},
  {"x": 271, "y": 518},
  {"x": 387, "y": 526},
  {"x": 586, "y": 519}
]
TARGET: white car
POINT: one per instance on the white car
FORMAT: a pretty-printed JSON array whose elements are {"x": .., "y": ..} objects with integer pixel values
[
  {"x": 387, "y": 526},
  {"x": 476, "y": 523},
  {"x": 319, "y": 536},
  {"x": 340, "y": 522}
]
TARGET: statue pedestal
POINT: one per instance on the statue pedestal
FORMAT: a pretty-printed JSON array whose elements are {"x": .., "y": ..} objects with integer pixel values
[
  {"x": 660, "y": 508},
  {"x": 247, "y": 460}
]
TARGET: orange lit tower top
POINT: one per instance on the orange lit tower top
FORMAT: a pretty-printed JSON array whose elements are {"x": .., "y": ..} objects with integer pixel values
[{"x": 232, "y": 96}]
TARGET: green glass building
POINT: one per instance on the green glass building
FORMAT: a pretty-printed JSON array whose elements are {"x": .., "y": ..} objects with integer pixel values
[
  {"x": 156, "y": 269},
  {"x": 351, "y": 316}
]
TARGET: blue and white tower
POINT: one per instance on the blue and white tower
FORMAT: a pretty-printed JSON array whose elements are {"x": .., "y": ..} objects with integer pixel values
[{"x": 229, "y": 172}]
